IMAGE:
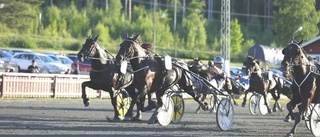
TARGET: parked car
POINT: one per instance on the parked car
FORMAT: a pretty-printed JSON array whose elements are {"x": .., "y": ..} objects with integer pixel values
[
  {"x": 14, "y": 51},
  {"x": 44, "y": 62},
  {"x": 84, "y": 66},
  {"x": 4, "y": 55},
  {"x": 63, "y": 60},
  {"x": 72, "y": 56}
]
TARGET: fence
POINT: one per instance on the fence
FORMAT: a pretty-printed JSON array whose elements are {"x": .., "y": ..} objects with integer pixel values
[{"x": 46, "y": 85}]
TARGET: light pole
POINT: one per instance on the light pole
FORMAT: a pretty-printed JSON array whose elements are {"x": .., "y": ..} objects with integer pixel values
[
  {"x": 154, "y": 25},
  {"x": 299, "y": 29},
  {"x": 39, "y": 24},
  {"x": 174, "y": 28}
]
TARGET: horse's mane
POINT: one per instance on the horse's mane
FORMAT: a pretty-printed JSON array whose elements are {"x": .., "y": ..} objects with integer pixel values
[{"x": 147, "y": 47}]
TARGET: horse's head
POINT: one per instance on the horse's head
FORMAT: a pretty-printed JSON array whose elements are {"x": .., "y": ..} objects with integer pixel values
[
  {"x": 293, "y": 55},
  {"x": 252, "y": 64},
  {"x": 129, "y": 48},
  {"x": 89, "y": 48},
  {"x": 196, "y": 65}
]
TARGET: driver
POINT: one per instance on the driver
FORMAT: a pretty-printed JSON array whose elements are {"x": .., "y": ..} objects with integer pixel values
[{"x": 219, "y": 77}]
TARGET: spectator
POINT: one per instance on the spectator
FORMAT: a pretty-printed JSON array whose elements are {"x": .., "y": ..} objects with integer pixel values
[
  {"x": 33, "y": 68},
  {"x": 76, "y": 71},
  {"x": 10, "y": 69},
  {"x": 68, "y": 71}
]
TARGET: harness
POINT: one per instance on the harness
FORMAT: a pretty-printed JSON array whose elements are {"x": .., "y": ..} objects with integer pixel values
[{"x": 311, "y": 71}]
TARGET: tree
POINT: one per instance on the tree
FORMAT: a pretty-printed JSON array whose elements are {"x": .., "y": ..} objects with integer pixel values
[
  {"x": 236, "y": 37},
  {"x": 193, "y": 27},
  {"x": 21, "y": 15},
  {"x": 291, "y": 14}
]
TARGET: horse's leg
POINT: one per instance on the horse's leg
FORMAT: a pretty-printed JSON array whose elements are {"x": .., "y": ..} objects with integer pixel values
[
  {"x": 131, "y": 90},
  {"x": 141, "y": 96},
  {"x": 151, "y": 104},
  {"x": 245, "y": 97},
  {"x": 114, "y": 104},
  {"x": 202, "y": 99},
  {"x": 85, "y": 100},
  {"x": 153, "y": 119},
  {"x": 276, "y": 98},
  {"x": 290, "y": 107},
  {"x": 298, "y": 118},
  {"x": 265, "y": 94}
]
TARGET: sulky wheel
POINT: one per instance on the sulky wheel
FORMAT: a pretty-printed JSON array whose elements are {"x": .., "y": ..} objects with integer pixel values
[
  {"x": 254, "y": 104},
  {"x": 214, "y": 101},
  {"x": 315, "y": 120},
  {"x": 165, "y": 111},
  {"x": 123, "y": 102},
  {"x": 307, "y": 114},
  {"x": 225, "y": 114},
  {"x": 178, "y": 108},
  {"x": 262, "y": 107}
]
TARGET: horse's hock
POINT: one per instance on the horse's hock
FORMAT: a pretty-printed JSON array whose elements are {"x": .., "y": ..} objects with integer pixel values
[{"x": 45, "y": 85}]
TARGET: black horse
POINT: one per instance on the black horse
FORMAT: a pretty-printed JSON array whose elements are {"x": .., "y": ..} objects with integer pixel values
[
  {"x": 104, "y": 74},
  {"x": 305, "y": 85},
  {"x": 206, "y": 72},
  {"x": 151, "y": 76},
  {"x": 263, "y": 84}
]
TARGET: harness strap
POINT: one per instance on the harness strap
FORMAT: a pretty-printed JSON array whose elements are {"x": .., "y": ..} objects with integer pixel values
[
  {"x": 104, "y": 69},
  {"x": 299, "y": 85}
]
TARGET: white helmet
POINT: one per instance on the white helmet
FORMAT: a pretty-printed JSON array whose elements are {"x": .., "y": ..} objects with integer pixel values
[{"x": 218, "y": 59}]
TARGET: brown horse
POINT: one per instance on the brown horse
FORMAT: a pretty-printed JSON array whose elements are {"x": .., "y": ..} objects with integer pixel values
[
  {"x": 263, "y": 84},
  {"x": 305, "y": 85},
  {"x": 206, "y": 72},
  {"x": 150, "y": 74}
]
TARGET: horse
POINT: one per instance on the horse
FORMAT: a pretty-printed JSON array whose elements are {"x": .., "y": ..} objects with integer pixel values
[
  {"x": 150, "y": 74},
  {"x": 104, "y": 75},
  {"x": 206, "y": 72},
  {"x": 305, "y": 85},
  {"x": 262, "y": 83}
]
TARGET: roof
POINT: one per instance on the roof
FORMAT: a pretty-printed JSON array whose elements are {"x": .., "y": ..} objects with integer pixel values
[{"x": 311, "y": 41}]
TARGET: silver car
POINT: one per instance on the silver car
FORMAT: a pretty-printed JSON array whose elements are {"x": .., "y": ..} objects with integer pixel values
[{"x": 44, "y": 62}]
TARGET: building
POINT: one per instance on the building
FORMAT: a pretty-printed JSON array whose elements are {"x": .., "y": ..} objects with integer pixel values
[
  {"x": 266, "y": 54},
  {"x": 312, "y": 47}
]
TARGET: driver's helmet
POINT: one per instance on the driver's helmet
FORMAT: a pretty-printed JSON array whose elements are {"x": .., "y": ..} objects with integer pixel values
[{"x": 218, "y": 59}]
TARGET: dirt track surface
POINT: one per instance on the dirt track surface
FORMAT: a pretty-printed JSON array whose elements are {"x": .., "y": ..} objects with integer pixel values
[{"x": 71, "y": 118}]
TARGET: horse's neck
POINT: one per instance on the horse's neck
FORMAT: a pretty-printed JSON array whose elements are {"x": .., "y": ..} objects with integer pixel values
[
  {"x": 100, "y": 60},
  {"x": 140, "y": 56}
]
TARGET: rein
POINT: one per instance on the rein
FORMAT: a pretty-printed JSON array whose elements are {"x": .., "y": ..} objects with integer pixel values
[{"x": 104, "y": 69}]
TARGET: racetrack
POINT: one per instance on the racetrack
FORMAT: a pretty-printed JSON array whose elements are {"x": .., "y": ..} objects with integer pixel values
[{"x": 61, "y": 117}]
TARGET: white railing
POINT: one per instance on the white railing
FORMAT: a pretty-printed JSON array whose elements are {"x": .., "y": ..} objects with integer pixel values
[{"x": 46, "y": 85}]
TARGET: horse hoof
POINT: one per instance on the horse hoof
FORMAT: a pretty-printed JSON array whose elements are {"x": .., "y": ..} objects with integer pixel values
[
  {"x": 152, "y": 121},
  {"x": 243, "y": 104},
  {"x": 286, "y": 119},
  {"x": 289, "y": 135},
  {"x": 269, "y": 111},
  {"x": 274, "y": 110},
  {"x": 137, "y": 118},
  {"x": 127, "y": 119},
  {"x": 236, "y": 104},
  {"x": 205, "y": 106},
  {"x": 281, "y": 109},
  {"x": 86, "y": 104},
  {"x": 197, "y": 111},
  {"x": 114, "y": 119}
]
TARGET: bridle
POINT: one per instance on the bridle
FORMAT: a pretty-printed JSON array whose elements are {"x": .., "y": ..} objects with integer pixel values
[
  {"x": 134, "y": 55},
  {"x": 90, "y": 53}
]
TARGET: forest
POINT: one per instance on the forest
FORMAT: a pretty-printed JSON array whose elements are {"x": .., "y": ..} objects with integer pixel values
[{"x": 180, "y": 28}]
